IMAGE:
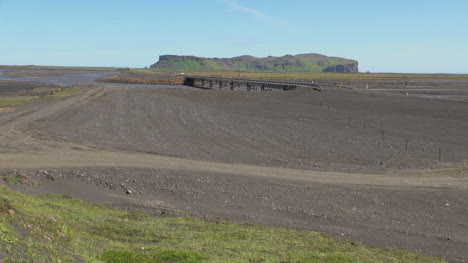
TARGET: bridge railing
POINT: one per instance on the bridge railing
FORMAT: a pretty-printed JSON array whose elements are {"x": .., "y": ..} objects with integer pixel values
[{"x": 248, "y": 83}]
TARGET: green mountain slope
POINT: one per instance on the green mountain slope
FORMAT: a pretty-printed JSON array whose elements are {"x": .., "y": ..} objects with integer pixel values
[{"x": 288, "y": 63}]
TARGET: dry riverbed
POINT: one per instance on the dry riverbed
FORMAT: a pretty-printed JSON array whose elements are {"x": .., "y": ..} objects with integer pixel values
[{"x": 385, "y": 170}]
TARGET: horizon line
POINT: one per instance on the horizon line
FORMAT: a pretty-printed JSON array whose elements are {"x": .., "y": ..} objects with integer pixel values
[{"x": 147, "y": 67}]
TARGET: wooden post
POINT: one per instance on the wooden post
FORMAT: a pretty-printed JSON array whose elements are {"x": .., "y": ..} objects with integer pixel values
[{"x": 406, "y": 88}]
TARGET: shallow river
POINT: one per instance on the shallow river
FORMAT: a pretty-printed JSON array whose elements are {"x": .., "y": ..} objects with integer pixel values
[{"x": 67, "y": 78}]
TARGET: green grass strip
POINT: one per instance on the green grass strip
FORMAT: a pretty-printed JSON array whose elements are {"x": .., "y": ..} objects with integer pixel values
[{"x": 52, "y": 228}]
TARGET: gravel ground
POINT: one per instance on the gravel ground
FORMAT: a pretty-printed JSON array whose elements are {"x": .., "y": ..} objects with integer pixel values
[
  {"x": 355, "y": 164},
  {"x": 334, "y": 130},
  {"x": 424, "y": 220}
]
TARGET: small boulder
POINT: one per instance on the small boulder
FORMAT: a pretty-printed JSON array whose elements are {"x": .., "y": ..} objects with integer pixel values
[{"x": 50, "y": 177}]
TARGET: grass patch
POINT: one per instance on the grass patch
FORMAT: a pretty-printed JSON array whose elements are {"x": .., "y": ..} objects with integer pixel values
[
  {"x": 18, "y": 179},
  {"x": 14, "y": 101},
  {"x": 10, "y": 101},
  {"x": 65, "y": 92},
  {"x": 54, "y": 228},
  {"x": 13, "y": 180},
  {"x": 164, "y": 256}
]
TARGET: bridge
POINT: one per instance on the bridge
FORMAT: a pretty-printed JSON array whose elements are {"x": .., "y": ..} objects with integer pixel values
[{"x": 249, "y": 84}]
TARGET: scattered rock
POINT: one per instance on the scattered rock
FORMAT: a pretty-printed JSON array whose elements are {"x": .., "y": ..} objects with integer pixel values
[
  {"x": 23, "y": 178},
  {"x": 50, "y": 177},
  {"x": 129, "y": 192}
]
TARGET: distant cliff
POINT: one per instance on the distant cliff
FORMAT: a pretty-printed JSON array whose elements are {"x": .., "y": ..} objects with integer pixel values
[{"x": 288, "y": 63}]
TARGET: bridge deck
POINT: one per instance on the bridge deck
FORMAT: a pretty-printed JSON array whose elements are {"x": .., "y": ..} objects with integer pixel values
[{"x": 210, "y": 82}]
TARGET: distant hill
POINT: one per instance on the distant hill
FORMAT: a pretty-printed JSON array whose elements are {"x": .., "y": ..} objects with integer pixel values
[{"x": 288, "y": 63}]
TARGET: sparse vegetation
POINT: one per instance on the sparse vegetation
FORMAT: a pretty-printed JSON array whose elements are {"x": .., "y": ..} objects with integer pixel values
[
  {"x": 14, "y": 100},
  {"x": 18, "y": 179},
  {"x": 18, "y": 100},
  {"x": 305, "y": 75},
  {"x": 65, "y": 92},
  {"x": 53, "y": 228}
]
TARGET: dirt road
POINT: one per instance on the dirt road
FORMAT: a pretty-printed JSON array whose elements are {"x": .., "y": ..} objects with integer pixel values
[{"x": 301, "y": 159}]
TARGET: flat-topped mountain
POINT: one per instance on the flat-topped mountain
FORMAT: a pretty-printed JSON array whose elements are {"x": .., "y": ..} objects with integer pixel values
[{"x": 288, "y": 63}]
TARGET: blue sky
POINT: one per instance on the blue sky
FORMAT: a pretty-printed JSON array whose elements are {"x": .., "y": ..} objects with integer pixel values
[{"x": 384, "y": 36}]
